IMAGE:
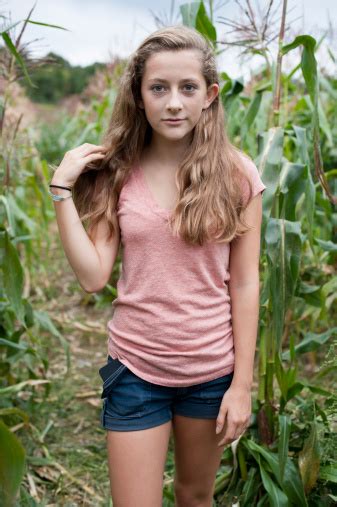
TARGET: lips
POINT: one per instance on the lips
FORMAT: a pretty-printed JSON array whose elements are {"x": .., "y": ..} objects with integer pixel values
[{"x": 175, "y": 120}]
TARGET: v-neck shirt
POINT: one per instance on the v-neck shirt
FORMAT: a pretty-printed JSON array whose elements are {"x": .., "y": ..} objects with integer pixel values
[
  {"x": 147, "y": 193},
  {"x": 171, "y": 322}
]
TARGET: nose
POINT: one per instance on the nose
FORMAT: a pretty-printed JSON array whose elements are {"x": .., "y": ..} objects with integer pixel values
[{"x": 174, "y": 102}]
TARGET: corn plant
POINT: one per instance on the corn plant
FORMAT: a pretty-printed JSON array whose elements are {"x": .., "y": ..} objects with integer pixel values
[
  {"x": 280, "y": 460},
  {"x": 24, "y": 214}
]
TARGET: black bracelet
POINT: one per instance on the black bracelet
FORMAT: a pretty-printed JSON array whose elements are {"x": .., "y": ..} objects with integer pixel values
[{"x": 59, "y": 186}]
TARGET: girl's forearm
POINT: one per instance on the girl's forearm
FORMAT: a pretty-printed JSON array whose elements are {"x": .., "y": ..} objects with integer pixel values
[
  {"x": 79, "y": 249},
  {"x": 245, "y": 316}
]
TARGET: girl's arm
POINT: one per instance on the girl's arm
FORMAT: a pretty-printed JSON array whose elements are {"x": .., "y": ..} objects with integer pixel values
[
  {"x": 244, "y": 293},
  {"x": 91, "y": 261},
  {"x": 236, "y": 406}
]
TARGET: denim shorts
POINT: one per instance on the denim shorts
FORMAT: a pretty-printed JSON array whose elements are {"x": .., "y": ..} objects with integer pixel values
[{"x": 132, "y": 403}]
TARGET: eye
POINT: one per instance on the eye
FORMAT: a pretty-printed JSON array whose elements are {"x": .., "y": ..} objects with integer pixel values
[
  {"x": 193, "y": 87},
  {"x": 156, "y": 86}
]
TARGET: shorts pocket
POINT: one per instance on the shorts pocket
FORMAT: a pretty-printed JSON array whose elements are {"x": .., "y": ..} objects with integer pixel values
[
  {"x": 125, "y": 394},
  {"x": 128, "y": 398},
  {"x": 110, "y": 374}
]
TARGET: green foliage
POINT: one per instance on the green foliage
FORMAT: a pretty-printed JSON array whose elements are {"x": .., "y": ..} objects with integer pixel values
[
  {"x": 59, "y": 79},
  {"x": 288, "y": 455},
  {"x": 11, "y": 465}
]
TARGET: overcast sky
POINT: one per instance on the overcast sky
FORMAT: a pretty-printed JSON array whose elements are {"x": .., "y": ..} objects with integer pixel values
[{"x": 99, "y": 29}]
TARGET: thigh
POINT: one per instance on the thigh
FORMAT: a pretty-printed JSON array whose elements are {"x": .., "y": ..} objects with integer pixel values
[
  {"x": 136, "y": 461},
  {"x": 197, "y": 454},
  {"x": 197, "y": 458}
]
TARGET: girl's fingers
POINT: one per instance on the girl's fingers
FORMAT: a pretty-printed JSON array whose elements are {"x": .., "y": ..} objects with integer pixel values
[
  {"x": 87, "y": 149},
  {"x": 94, "y": 155},
  {"x": 221, "y": 419},
  {"x": 228, "y": 437},
  {"x": 89, "y": 158},
  {"x": 236, "y": 433}
]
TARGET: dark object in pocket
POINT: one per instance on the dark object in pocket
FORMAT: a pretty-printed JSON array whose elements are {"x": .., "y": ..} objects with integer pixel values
[{"x": 110, "y": 373}]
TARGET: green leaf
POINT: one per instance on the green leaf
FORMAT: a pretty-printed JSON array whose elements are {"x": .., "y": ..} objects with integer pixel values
[
  {"x": 318, "y": 390},
  {"x": 19, "y": 214},
  {"x": 328, "y": 473},
  {"x": 46, "y": 24},
  {"x": 312, "y": 341},
  {"x": 230, "y": 92},
  {"x": 43, "y": 319},
  {"x": 15, "y": 388},
  {"x": 283, "y": 250},
  {"x": 19, "y": 346},
  {"x": 12, "y": 464},
  {"x": 308, "y": 63},
  {"x": 291, "y": 483},
  {"x": 204, "y": 25},
  {"x": 194, "y": 15},
  {"x": 295, "y": 389},
  {"x": 189, "y": 13},
  {"x": 309, "y": 71},
  {"x": 286, "y": 379},
  {"x": 327, "y": 246},
  {"x": 276, "y": 496},
  {"x": 268, "y": 161},
  {"x": 324, "y": 124},
  {"x": 17, "y": 56},
  {"x": 292, "y": 186},
  {"x": 250, "y": 115},
  {"x": 13, "y": 278},
  {"x": 313, "y": 295},
  {"x": 14, "y": 411},
  {"x": 283, "y": 443},
  {"x": 9, "y": 215}
]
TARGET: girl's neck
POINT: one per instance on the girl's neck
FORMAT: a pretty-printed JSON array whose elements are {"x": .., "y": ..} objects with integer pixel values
[{"x": 170, "y": 153}]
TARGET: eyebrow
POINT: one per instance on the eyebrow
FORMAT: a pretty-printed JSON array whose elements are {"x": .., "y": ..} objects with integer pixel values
[{"x": 158, "y": 79}]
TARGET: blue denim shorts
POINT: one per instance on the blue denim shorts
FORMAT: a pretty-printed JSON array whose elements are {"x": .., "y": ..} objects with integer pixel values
[{"x": 132, "y": 403}]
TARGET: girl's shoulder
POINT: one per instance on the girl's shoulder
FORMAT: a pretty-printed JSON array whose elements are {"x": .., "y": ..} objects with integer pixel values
[{"x": 252, "y": 172}]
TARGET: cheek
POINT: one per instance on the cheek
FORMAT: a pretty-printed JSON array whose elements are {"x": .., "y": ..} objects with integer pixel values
[
  {"x": 151, "y": 105},
  {"x": 197, "y": 104}
]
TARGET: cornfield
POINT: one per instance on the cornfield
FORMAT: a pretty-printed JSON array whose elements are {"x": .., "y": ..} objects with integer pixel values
[{"x": 52, "y": 333}]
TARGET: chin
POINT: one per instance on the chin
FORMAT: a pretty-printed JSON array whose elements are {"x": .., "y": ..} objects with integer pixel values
[{"x": 176, "y": 138}]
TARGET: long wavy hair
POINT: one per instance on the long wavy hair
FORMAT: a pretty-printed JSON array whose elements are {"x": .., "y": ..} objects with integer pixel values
[{"x": 210, "y": 177}]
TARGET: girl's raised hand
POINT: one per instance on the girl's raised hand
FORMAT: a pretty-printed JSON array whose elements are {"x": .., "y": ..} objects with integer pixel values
[{"x": 75, "y": 161}]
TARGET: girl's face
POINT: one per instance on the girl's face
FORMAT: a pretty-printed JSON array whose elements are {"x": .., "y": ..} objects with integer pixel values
[{"x": 173, "y": 87}]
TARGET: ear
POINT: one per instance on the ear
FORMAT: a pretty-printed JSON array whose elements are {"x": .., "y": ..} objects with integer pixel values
[
  {"x": 141, "y": 104},
  {"x": 212, "y": 92}
]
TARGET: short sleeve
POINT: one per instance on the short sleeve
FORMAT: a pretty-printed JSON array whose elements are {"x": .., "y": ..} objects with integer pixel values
[{"x": 255, "y": 178}]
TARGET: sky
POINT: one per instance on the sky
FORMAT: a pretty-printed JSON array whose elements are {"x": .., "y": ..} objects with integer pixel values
[{"x": 100, "y": 29}]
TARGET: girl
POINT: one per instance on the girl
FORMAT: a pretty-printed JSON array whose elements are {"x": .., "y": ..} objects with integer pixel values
[{"x": 186, "y": 208}]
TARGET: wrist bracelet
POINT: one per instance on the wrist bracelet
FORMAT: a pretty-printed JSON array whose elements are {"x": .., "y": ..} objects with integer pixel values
[
  {"x": 56, "y": 197},
  {"x": 59, "y": 186}
]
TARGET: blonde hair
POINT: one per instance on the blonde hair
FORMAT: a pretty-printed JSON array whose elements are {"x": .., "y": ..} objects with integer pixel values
[{"x": 210, "y": 198}]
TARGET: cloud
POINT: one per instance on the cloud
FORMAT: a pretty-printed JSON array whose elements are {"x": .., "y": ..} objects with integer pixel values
[{"x": 102, "y": 28}]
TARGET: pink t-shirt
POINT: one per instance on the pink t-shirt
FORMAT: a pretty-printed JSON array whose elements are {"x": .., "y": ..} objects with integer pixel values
[{"x": 171, "y": 323}]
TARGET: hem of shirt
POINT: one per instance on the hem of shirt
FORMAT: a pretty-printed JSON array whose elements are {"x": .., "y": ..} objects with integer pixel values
[{"x": 174, "y": 383}]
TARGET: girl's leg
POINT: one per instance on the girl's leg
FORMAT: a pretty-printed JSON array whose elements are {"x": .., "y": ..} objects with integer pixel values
[
  {"x": 197, "y": 459},
  {"x": 136, "y": 461}
]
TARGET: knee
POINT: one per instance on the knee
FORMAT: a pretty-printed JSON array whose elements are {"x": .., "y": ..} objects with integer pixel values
[{"x": 186, "y": 496}]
